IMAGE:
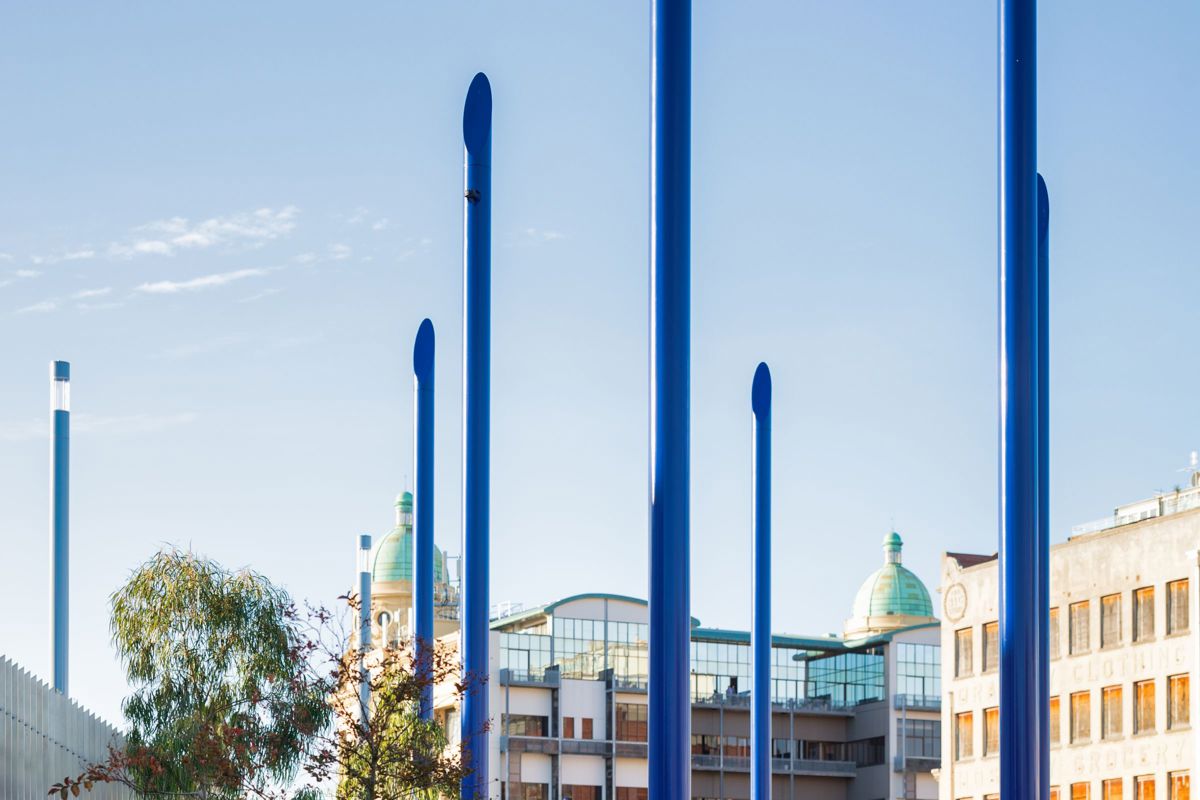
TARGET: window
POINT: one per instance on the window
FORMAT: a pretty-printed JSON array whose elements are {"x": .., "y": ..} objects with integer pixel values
[
  {"x": 631, "y": 793},
  {"x": 1178, "y": 713},
  {"x": 920, "y": 738},
  {"x": 1079, "y": 791},
  {"x": 1143, "y": 614},
  {"x": 1055, "y": 635},
  {"x": 568, "y": 727},
  {"x": 1055, "y": 725},
  {"x": 1181, "y": 785},
  {"x": 1081, "y": 719},
  {"x": 991, "y": 731},
  {"x": 737, "y": 746},
  {"x": 587, "y": 728},
  {"x": 525, "y": 725},
  {"x": 824, "y": 751},
  {"x": 1081, "y": 635},
  {"x": 574, "y": 791},
  {"x": 1110, "y": 620},
  {"x": 1143, "y": 706},
  {"x": 1055, "y": 793},
  {"x": 964, "y": 733},
  {"x": 780, "y": 748},
  {"x": 963, "y": 645},
  {"x": 631, "y": 722},
  {"x": 1143, "y": 787},
  {"x": 706, "y": 744},
  {"x": 524, "y": 791},
  {"x": 1110, "y": 712},
  {"x": 1177, "y": 606},
  {"x": 919, "y": 672},
  {"x": 1111, "y": 789},
  {"x": 866, "y": 752},
  {"x": 991, "y": 647}
]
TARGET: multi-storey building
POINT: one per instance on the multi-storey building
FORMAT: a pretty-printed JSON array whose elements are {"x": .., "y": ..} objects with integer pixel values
[
  {"x": 855, "y": 717},
  {"x": 1122, "y": 650}
]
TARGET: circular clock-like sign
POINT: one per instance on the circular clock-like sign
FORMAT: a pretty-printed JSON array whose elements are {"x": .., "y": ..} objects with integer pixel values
[{"x": 955, "y": 602}]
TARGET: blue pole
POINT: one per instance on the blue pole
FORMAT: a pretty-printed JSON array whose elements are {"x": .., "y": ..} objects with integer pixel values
[
  {"x": 760, "y": 631},
  {"x": 670, "y": 767},
  {"x": 1043, "y": 501},
  {"x": 364, "y": 626},
  {"x": 423, "y": 373},
  {"x": 1020, "y": 727},
  {"x": 60, "y": 540},
  {"x": 477, "y": 290}
]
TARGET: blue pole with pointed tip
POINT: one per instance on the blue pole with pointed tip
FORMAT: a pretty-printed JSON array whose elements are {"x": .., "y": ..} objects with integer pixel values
[
  {"x": 1043, "y": 536},
  {"x": 760, "y": 631},
  {"x": 60, "y": 539},
  {"x": 477, "y": 290},
  {"x": 670, "y": 764},
  {"x": 364, "y": 627},
  {"x": 1020, "y": 728},
  {"x": 423, "y": 374}
]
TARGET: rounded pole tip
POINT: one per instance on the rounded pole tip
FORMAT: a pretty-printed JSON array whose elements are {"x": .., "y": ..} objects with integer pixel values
[
  {"x": 760, "y": 394},
  {"x": 477, "y": 116},
  {"x": 364, "y": 541},
  {"x": 60, "y": 370},
  {"x": 423, "y": 350},
  {"x": 1043, "y": 207}
]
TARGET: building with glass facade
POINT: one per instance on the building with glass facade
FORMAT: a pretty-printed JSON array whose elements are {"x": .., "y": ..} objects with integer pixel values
[
  {"x": 1122, "y": 650},
  {"x": 855, "y": 717}
]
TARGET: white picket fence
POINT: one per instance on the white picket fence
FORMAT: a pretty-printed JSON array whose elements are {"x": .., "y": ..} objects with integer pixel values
[{"x": 45, "y": 737}]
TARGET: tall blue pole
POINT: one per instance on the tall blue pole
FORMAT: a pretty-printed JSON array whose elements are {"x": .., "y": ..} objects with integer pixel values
[
  {"x": 364, "y": 627},
  {"x": 60, "y": 540},
  {"x": 423, "y": 374},
  {"x": 477, "y": 291},
  {"x": 760, "y": 630},
  {"x": 1020, "y": 619},
  {"x": 1043, "y": 501},
  {"x": 670, "y": 768}
]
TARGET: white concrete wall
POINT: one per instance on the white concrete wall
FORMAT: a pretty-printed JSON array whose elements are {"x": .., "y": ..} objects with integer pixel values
[
  {"x": 583, "y": 770},
  {"x": 581, "y": 699}
]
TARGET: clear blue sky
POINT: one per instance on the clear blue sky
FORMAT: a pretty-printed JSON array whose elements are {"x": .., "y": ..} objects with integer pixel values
[{"x": 232, "y": 217}]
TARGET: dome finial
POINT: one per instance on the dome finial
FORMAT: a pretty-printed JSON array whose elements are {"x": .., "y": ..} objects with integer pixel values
[{"x": 892, "y": 544}]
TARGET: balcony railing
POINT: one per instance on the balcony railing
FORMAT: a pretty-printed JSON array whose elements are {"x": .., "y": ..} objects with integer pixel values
[
  {"x": 811, "y": 766},
  {"x": 586, "y": 747},
  {"x": 528, "y": 744},
  {"x": 799, "y": 766},
  {"x": 918, "y": 702},
  {"x": 916, "y": 763},
  {"x": 548, "y": 677}
]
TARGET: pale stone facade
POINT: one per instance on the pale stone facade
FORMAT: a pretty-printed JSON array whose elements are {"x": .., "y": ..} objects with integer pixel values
[{"x": 1123, "y": 627}]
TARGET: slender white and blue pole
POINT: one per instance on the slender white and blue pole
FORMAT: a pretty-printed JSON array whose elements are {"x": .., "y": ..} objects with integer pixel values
[
  {"x": 423, "y": 376},
  {"x": 670, "y": 765},
  {"x": 364, "y": 626},
  {"x": 477, "y": 299},
  {"x": 1021, "y": 614},
  {"x": 760, "y": 630},
  {"x": 1043, "y": 500},
  {"x": 60, "y": 539}
]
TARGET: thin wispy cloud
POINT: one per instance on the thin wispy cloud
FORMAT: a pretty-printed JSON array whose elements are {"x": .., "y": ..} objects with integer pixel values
[
  {"x": 6, "y": 257},
  {"x": 43, "y": 307},
  {"x": 166, "y": 237},
  {"x": 98, "y": 306},
  {"x": 340, "y": 251},
  {"x": 259, "y": 295},
  {"x": 86, "y": 293},
  {"x": 88, "y": 424},
  {"x": 27, "y": 273},
  {"x": 531, "y": 237},
  {"x": 200, "y": 283},
  {"x": 379, "y": 224},
  {"x": 307, "y": 258}
]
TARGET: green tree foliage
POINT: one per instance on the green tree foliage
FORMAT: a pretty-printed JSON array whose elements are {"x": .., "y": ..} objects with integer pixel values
[{"x": 223, "y": 706}]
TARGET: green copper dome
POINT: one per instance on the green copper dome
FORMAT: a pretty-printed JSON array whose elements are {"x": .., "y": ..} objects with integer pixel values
[
  {"x": 394, "y": 555},
  {"x": 892, "y": 589}
]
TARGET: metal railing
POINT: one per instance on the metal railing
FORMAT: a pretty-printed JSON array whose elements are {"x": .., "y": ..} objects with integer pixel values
[{"x": 918, "y": 702}]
